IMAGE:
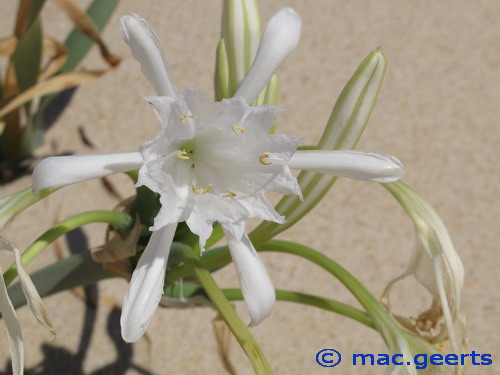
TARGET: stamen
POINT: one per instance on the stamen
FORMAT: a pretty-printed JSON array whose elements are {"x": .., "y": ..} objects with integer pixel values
[
  {"x": 229, "y": 194},
  {"x": 207, "y": 189},
  {"x": 263, "y": 157},
  {"x": 183, "y": 118},
  {"x": 238, "y": 127},
  {"x": 201, "y": 191},
  {"x": 182, "y": 155}
]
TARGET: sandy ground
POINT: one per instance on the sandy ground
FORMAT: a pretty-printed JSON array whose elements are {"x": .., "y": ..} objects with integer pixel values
[{"x": 438, "y": 112}]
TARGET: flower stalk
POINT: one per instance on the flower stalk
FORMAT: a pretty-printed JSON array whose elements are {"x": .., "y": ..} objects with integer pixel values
[
  {"x": 120, "y": 220},
  {"x": 220, "y": 302},
  {"x": 13, "y": 204}
]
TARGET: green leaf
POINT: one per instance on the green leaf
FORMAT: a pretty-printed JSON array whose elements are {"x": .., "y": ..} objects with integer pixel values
[
  {"x": 78, "y": 44},
  {"x": 35, "y": 9},
  {"x": 27, "y": 60},
  {"x": 28, "y": 56}
]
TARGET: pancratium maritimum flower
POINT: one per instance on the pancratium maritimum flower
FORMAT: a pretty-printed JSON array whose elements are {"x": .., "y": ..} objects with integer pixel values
[{"x": 211, "y": 162}]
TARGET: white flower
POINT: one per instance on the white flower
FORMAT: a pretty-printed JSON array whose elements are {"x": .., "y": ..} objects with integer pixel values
[
  {"x": 8, "y": 313},
  {"x": 211, "y": 162}
]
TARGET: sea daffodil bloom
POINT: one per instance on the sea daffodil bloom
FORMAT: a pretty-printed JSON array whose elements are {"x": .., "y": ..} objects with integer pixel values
[{"x": 211, "y": 162}]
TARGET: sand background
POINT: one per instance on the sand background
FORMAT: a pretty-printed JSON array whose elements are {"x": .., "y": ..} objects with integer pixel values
[{"x": 438, "y": 112}]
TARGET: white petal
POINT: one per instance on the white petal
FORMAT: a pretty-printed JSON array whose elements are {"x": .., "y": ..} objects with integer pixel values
[
  {"x": 146, "y": 286},
  {"x": 255, "y": 283},
  {"x": 280, "y": 38},
  {"x": 59, "y": 171},
  {"x": 353, "y": 164},
  {"x": 14, "y": 334},
  {"x": 146, "y": 49}
]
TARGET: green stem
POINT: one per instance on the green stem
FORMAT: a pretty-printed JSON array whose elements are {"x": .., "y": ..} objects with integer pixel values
[
  {"x": 239, "y": 330},
  {"x": 216, "y": 258},
  {"x": 311, "y": 300},
  {"x": 117, "y": 219},
  {"x": 383, "y": 322}
]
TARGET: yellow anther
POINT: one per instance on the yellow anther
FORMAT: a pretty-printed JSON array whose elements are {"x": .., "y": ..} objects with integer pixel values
[
  {"x": 182, "y": 155},
  {"x": 201, "y": 191},
  {"x": 183, "y": 118},
  {"x": 238, "y": 127},
  {"x": 263, "y": 157},
  {"x": 229, "y": 194},
  {"x": 207, "y": 189}
]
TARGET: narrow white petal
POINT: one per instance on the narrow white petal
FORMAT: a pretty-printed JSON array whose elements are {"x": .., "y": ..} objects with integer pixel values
[
  {"x": 146, "y": 49},
  {"x": 353, "y": 164},
  {"x": 255, "y": 283},
  {"x": 448, "y": 318},
  {"x": 59, "y": 171},
  {"x": 146, "y": 286},
  {"x": 280, "y": 38},
  {"x": 32, "y": 297},
  {"x": 14, "y": 334}
]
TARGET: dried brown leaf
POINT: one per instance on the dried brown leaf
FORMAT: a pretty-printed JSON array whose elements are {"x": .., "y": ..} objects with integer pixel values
[
  {"x": 117, "y": 248},
  {"x": 23, "y": 13},
  {"x": 85, "y": 24},
  {"x": 50, "y": 86},
  {"x": 8, "y": 45},
  {"x": 57, "y": 54}
]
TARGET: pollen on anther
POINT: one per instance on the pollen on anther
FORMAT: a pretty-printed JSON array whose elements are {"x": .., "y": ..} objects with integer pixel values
[
  {"x": 201, "y": 191},
  {"x": 183, "y": 118},
  {"x": 237, "y": 128},
  {"x": 207, "y": 189},
  {"x": 263, "y": 157},
  {"x": 182, "y": 155},
  {"x": 229, "y": 194}
]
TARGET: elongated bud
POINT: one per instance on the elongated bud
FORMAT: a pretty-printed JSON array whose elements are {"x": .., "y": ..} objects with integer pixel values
[
  {"x": 221, "y": 77},
  {"x": 342, "y": 132},
  {"x": 354, "y": 106},
  {"x": 233, "y": 34},
  {"x": 240, "y": 31}
]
